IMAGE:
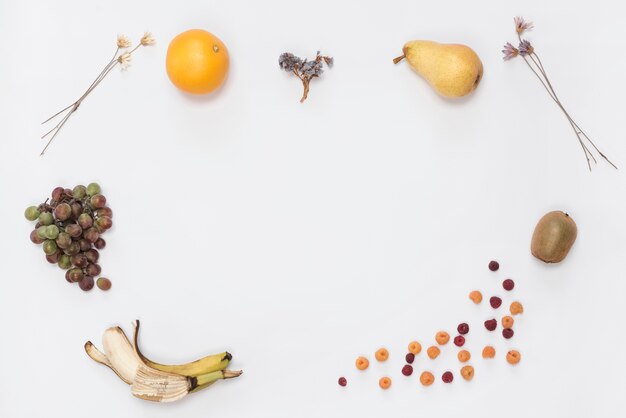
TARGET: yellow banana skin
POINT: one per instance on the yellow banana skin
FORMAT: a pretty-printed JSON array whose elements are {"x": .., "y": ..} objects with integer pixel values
[
  {"x": 202, "y": 367},
  {"x": 206, "y": 380}
]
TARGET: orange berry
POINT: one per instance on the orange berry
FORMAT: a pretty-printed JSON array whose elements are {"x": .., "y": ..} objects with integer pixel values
[
  {"x": 513, "y": 357},
  {"x": 415, "y": 347},
  {"x": 464, "y": 356},
  {"x": 384, "y": 382},
  {"x": 382, "y": 354},
  {"x": 467, "y": 372},
  {"x": 516, "y": 308},
  {"x": 197, "y": 61},
  {"x": 507, "y": 322},
  {"x": 362, "y": 363},
  {"x": 433, "y": 352},
  {"x": 489, "y": 352},
  {"x": 476, "y": 296},
  {"x": 442, "y": 337},
  {"x": 427, "y": 378}
]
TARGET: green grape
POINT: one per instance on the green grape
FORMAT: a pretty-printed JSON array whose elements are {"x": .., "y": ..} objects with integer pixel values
[
  {"x": 103, "y": 283},
  {"x": 85, "y": 221},
  {"x": 50, "y": 247},
  {"x": 75, "y": 275},
  {"x": 46, "y": 218},
  {"x": 63, "y": 212},
  {"x": 32, "y": 213},
  {"x": 64, "y": 240},
  {"x": 52, "y": 231},
  {"x": 98, "y": 201},
  {"x": 42, "y": 231},
  {"x": 93, "y": 188},
  {"x": 64, "y": 262},
  {"x": 74, "y": 230},
  {"x": 74, "y": 248},
  {"x": 79, "y": 192}
]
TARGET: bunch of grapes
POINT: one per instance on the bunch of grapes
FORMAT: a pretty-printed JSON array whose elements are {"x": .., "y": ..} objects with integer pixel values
[{"x": 70, "y": 225}]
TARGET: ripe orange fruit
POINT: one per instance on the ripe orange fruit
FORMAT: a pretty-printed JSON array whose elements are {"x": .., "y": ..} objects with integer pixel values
[{"x": 197, "y": 61}]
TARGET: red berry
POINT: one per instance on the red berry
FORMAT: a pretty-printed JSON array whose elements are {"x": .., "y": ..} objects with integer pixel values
[
  {"x": 494, "y": 265},
  {"x": 495, "y": 302},
  {"x": 463, "y": 328},
  {"x": 507, "y": 333},
  {"x": 508, "y": 284},
  {"x": 491, "y": 324},
  {"x": 447, "y": 377},
  {"x": 407, "y": 370},
  {"x": 342, "y": 381},
  {"x": 459, "y": 340},
  {"x": 410, "y": 358}
]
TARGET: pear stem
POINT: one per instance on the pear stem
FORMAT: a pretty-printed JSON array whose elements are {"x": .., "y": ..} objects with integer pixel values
[{"x": 398, "y": 59}]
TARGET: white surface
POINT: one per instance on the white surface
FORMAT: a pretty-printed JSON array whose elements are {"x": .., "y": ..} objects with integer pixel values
[{"x": 300, "y": 236}]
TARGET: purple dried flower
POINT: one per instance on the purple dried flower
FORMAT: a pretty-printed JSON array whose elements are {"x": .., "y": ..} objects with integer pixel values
[
  {"x": 289, "y": 62},
  {"x": 525, "y": 48},
  {"x": 305, "y": 70},
  {"x": 521, "y": 25},
  {"x": 509, "y": 51}
]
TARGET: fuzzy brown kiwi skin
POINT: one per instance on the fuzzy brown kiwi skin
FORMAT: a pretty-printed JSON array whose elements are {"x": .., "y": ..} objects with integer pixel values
[{"x": 554, "y": 236}]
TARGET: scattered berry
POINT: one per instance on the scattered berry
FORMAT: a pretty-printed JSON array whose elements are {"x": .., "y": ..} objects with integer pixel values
[
  {"x": 489, "y": 352},
  {"x": 459, "y": 340},
  {"x": 464, "y": 356},
  {"x": 410, "y": 358},
  {"x": 433, "y": 352},
  {"x": 382, "y": 354},
  {"x": 407, "y": 370},
  {"x": 103, "y": 283},
  {"x": 507, "y": 333},
  {"x": 467, "y": 372},
  {"x": 491, "y": 324},
  {"x": 513, "y": 357},
  {"x": 495, "y": 302},
  {"x": 447, "y": 377},
  {"x": 508, "y": 285},
  {"x": 516, "y": 308},
  {"x": 507, "y": 322},
  {"x": 442, "y": 337},
  {"x": 494, "y": 265},
  {"x": 427, "y": 378},
  {"x": 415, "y": 347},
  {"x": 362, "y": 363},
  {"x": 476, "y": 296},
  {"x": 342, "y": 381},
  {"x": 463, "y": 328},
  {"x": 384, "y": 382}
]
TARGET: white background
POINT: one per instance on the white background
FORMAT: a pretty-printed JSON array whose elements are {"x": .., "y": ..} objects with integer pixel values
[{"x": 299, "y": 236}]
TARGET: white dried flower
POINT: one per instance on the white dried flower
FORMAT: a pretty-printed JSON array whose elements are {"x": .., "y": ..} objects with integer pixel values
[
  {"x": 123, "y": 42},
  {"x": 124, "y": 60},
  {"x": 147, "y": 39}
]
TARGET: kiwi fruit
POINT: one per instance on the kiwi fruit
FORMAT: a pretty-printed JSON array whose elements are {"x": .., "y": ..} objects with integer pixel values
[{"x": 554, "y": 236}]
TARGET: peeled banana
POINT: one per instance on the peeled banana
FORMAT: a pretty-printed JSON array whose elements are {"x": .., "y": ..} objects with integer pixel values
[
  {"x": 154, "y": 381},
  {"x": 199, "y": 367}
]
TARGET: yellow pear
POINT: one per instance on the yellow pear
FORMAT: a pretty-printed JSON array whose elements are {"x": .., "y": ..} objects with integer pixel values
[{"x": 453, "y": 70}]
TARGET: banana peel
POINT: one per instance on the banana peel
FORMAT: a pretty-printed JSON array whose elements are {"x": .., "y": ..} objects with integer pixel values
[{"x": 154, "y": 381}]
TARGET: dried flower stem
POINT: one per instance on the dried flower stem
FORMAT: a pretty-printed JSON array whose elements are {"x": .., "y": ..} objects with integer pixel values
[
  {"x": 532, "y": 60},
  {"x": 305, "y": 70},
  {"x": 146, "y": 40}
]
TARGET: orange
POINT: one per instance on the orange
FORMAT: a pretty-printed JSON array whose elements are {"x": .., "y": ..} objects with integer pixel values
[{"x": 197, "y": 61}]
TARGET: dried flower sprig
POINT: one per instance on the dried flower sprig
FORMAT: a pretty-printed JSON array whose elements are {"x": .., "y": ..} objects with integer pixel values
[
  {"x": 122, "y": 57},
  {"x": 305, "y": 70},
  {"x": 526, "y": 50}
]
